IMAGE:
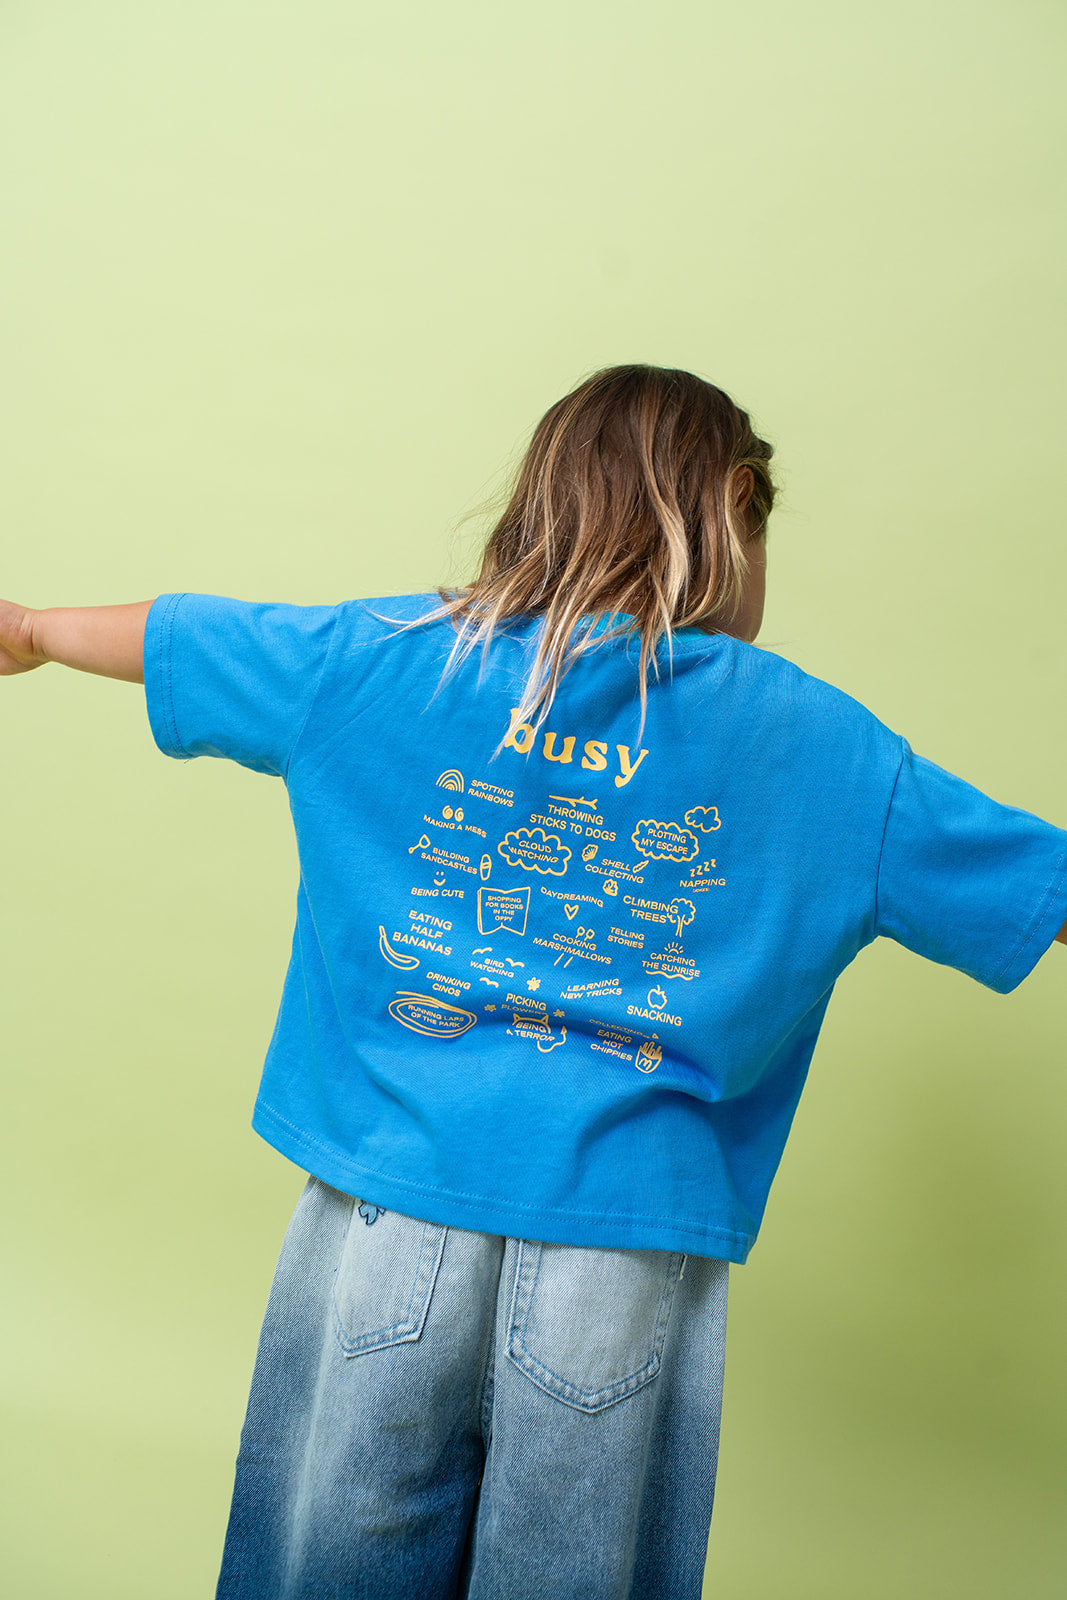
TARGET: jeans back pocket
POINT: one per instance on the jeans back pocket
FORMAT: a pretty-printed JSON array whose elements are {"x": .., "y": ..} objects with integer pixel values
[
  {"x": 588, "y": 1324},
  {"x": 384, "y": 1280}
]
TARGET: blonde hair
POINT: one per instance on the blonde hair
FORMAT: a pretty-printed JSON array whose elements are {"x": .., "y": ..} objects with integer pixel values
[{"x": 628, "y": 499}]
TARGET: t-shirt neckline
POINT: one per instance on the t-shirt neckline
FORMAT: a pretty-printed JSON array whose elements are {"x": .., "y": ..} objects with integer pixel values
[{"x": 682, "y": 638}]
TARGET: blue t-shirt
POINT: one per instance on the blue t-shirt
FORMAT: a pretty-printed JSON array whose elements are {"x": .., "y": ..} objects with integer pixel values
[{"x": 568, "y": 990}]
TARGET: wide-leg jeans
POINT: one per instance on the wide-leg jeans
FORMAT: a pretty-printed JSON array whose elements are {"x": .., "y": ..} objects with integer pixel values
[{"x": 450, "y": 1415}]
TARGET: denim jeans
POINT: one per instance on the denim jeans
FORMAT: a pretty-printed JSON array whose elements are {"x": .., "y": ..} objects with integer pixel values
[{"x": 447, "y": 1415}]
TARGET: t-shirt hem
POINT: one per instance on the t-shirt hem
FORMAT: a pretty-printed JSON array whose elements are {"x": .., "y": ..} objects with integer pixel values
[
  {"x": 489, "y": 1214},
  {"x": 158, "y": 685},
  {"x": 1048, "y": 919}
]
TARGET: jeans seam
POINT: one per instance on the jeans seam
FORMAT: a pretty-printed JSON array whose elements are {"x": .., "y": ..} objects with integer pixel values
[
  {"x": 421, "y": 1290},
  {"x": 485, "y": 1408},
  {"x": 552, "y": 1382}
]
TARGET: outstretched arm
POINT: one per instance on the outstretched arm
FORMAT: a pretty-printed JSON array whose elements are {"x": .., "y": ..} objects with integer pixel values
[{"x": 108, "y": 640}]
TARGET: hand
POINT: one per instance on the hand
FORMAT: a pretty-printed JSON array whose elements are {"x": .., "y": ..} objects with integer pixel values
[{"x": 17, "y": 650}]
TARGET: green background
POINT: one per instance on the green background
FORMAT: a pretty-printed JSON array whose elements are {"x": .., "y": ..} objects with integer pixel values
[{"x": 285, "y": 287}]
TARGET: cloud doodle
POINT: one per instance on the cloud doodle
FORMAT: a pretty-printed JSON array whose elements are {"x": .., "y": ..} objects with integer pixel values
[
  {"x": 665, "y": 841},
  {"x": 706, "y": 818},
  {"x": 535, "y": 851}
]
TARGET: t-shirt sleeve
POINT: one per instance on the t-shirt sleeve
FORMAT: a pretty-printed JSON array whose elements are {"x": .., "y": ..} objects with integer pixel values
[
  {"x": 966, "y": 881},
  {"x": 233, "y": 678}
]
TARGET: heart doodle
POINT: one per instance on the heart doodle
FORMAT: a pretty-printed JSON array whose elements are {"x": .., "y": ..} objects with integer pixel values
[{"x": 572, "y": 912}]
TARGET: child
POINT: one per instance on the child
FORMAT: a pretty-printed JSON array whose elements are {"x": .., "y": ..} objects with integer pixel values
[{"x": 580, "y": 867}]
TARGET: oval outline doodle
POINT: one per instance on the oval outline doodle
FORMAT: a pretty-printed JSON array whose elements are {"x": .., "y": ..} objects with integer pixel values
[{"x": 408, "y": 997}]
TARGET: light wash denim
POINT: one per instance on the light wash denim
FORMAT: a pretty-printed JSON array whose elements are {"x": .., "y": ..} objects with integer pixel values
[{"x": 447, "y": 1415}]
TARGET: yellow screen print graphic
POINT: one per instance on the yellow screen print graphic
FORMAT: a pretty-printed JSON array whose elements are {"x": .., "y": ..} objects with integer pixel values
[
  {"x": 537, "y": 1027},
  {"x": 535, "y": 851},
  {"x": 503, "y": 909},
  {"x": 396, "y": 958},
  {"x": 521, "y": 736},
  {"x": 424, "y": 1013},
  {"x": 665, "y": 841},
  {"x": 706, "y": 818},
  {"x": 672, "y": 962},
  {"x": 649, "y": 1056}
]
